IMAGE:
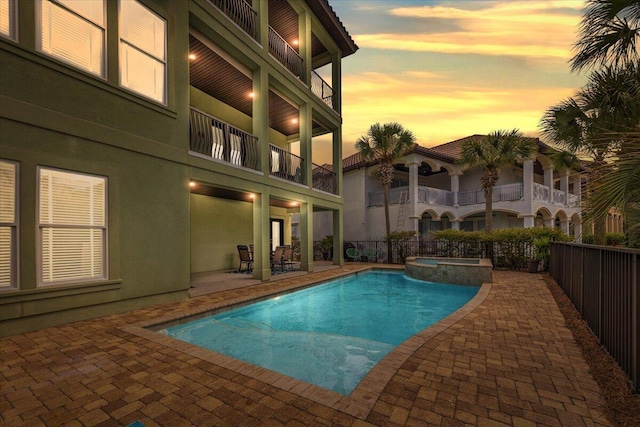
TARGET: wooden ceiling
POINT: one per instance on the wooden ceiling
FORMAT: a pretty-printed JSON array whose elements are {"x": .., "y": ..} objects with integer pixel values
[
  {"x": 212, "y": 74},
  {"x": 225, "y": 193}
]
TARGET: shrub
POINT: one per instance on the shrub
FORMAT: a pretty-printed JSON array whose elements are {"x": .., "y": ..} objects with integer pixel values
[
  {"x": 507, "y": 248},
  {"x": 615, "y": 239},
  {"x": 589, "y": 239}
]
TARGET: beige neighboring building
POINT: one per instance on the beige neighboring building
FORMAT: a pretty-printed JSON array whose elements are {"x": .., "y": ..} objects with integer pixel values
[{"x": 431, "y": 191}]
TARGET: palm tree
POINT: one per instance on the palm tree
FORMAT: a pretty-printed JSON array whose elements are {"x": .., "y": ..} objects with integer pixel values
[
  {"x": 620, "y": 187},
  {"x": 609, "y": 34},
  {"x": 498, "y": 149},
  {"x": 593, "y": 125},
  {"x": 385, "y": 144}
]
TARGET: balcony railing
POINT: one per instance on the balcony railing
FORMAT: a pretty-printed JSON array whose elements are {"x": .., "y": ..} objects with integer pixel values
[
  {"x": 284, "y": 53},
  {"x": 322, "y": 89},
  {"x": 559, "y": 197},
  {"x": 376, "y": 198},
  {"x": 324, "y": 179},
  {"x": 435, "y": 196},
  {"x": 286, "y": 165},
  {"x": 574, "y": 202},
  {"x": 501, "y": 193},
  {"x": 540, "y": 192},
  {"x": 219, "y": 140},
  {"x": 240, "y": 12}
]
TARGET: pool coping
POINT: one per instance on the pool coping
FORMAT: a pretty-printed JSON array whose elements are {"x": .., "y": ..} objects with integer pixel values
[{"x": 361, "y": 400}]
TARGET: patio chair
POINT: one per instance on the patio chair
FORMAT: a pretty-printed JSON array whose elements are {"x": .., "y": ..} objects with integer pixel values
[
  {"x": 278, "y": 259},
  {"x": 372, "y": 254},
  {"x": 287, "y": 257},
  {"x": 245, "y": 257},
  {"x": 353, "y": 254}
]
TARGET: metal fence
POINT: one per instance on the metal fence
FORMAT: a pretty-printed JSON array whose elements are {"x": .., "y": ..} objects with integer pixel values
[
  {"x": 512, "y": 255},
  {"x": 602, "y": 282}
]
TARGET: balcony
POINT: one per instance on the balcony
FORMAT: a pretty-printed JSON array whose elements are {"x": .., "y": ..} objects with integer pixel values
[
  {"x": 240, "y": 12},
  {"x": 284, "y": 53},
  {"x": 322, "y": 90},
  {"x": 285, "y": 165},
  {"x": 501, "y": 193},
  {"x": 243, "y": 14},
  {"x": 426, "y": 195},
  {"x": 218, "y": 140},
  {"x": 324, "y": 179}
]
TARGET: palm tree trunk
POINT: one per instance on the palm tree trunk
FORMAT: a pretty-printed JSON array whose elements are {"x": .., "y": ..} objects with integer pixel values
[
  {"x": 488, "y": 213},
  {"x": 387, "y": 222}
]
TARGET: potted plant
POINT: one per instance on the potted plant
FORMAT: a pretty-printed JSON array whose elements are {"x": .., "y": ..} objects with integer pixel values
[
  {"x": 326, "y": 244},
  {"x": 541, "y": 253}
]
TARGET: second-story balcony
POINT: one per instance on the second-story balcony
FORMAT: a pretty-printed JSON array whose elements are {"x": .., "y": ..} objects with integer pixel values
[
  {"x": 426, "y": 195},
  {"x": 501, "y": 193},
  {"x": 218, "y": 140},
  {"x": 286, "y": 165},
  {"x": 324, "y": 179}
]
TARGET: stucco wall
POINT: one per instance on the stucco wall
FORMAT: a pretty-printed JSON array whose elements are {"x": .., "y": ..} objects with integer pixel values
[{"x": 217, "y": 227}]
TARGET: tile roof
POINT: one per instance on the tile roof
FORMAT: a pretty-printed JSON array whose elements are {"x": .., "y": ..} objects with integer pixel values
[{"x": 448, "y": 152}]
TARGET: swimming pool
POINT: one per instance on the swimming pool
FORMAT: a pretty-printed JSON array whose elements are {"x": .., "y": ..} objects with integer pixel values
[{"x": 329, "y": 335}]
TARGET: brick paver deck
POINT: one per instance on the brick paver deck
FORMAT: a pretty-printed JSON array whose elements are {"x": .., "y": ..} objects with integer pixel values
[{"x": 507, "y": 359}]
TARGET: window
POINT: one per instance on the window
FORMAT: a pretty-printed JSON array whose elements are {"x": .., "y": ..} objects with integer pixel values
[
  {"x": 8, "y": 223},
  {"x": 8, "y": 18},
  {"x": 74, "y": 32},
  {"x": 142, "y": 50},
  {"x": 72, "y": 226}
]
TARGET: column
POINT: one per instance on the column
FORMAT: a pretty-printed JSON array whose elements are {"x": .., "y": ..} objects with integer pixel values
[
  {"x": 564, "y": 186},
  {"x": 455, "y": 224},
  {"x": 527, "y": 180},
  {"x": 564, "y": 226},
  {"x": 261, "y": 116},
  {"x": 529, "y": 221},
  {"x": 413, "y": 193},
  {"x": 305, "y": 123},
  {"x": 548, "y": 181},
  {"x": 261, "y": 227},
  {"x": 306, "y": 237},
  {"x": 304, "y": 45},
  {"x": 336, "y": 82},
  {"x": 262, "y": 7},
  {"x": 337, "y": 159},
  {"x": 338, "y": 237},
  {"x": 455, "y": 187}
]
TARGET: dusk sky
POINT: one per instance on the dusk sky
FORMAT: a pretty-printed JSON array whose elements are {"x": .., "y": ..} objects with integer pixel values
[{"x": 449, "y": 69}]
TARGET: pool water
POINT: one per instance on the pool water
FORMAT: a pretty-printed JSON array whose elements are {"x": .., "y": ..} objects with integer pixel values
[{"x": 329, "y": 335}]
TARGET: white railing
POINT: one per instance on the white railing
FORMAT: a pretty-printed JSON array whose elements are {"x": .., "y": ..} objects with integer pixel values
[
  {"x": 540, "y": 192},
  {"x": 574, "y": 201},
  {"x": 376, "y": 198},
  {"x": 501, "y": 193},
  {"x": 435, "y": 196}
]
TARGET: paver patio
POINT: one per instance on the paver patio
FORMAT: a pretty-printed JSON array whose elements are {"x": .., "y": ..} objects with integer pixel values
[{"x": 507, "y": 361}]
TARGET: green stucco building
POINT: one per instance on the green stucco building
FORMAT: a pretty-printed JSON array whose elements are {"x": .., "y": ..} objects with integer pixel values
[{"x": 142, "y": 140}]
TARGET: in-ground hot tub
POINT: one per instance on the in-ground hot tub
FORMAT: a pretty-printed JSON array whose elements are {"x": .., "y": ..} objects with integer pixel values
[{"x": 458, "y": 271}]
